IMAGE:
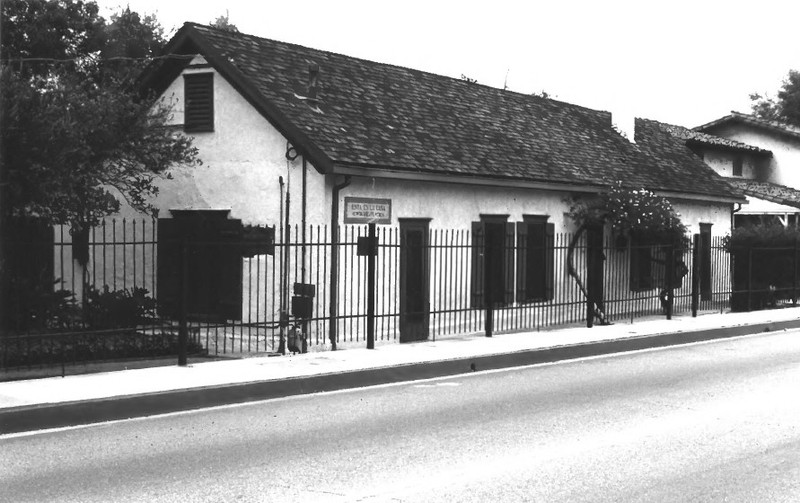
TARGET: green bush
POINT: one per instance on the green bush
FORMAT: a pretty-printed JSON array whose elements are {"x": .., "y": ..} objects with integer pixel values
[
  {"x": 765, "y": 260},
  {"x": 118, "y": 309},
  {"x": 33, "y": 351},
  {"x": 762, "y": 236}
]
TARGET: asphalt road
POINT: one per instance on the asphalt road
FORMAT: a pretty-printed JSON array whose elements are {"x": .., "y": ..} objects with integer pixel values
[{"x": 717, "y": 421}]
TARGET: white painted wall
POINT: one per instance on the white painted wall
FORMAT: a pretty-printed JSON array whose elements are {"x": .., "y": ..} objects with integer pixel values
[
  {"x": 784, "y": 167},
  {"x": 455, "y": 206},
  {"x": 243, "y": 159},
  {"x": 722, "y": 162}
]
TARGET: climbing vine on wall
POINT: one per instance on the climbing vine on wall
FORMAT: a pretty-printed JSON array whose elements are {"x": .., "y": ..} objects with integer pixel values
[{"x": 630, "y": 212}]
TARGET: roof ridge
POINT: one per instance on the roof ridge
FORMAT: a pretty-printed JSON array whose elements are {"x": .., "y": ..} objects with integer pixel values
[
  {"x": 401, "y": 67},
  {"x": 773, "y": 124},
  {"x": 692, "y": 135}
]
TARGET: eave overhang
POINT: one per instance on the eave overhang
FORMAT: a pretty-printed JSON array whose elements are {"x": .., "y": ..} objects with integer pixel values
[{"x": 485, "y": 181}]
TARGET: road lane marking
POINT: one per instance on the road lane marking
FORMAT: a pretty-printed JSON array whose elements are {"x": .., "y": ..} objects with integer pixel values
[{"x": 412, "y": 383}]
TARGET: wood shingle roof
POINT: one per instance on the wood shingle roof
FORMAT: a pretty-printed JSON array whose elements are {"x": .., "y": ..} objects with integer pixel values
[{"x": 380, "y": 116}]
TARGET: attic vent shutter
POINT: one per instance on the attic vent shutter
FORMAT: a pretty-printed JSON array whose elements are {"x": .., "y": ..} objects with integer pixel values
[{"x": 199, "y": 102}]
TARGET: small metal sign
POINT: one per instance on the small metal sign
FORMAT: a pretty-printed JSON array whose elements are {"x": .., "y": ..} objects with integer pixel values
[{"x": 367, "y": 210}]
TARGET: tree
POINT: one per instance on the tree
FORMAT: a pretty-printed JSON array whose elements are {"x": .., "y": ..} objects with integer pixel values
[
  {"x": 77, "y": 135},
  {"x": 39, "y": 34},
  {"x": 224, "y": 23},
  {"x": 129, "y": 43},
  {"x": 785, "y": 107},
  {"x": 631, "y": 213}
]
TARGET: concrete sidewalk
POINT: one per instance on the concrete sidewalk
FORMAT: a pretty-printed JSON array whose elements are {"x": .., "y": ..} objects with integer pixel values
[{"x": 81, "y": 399}]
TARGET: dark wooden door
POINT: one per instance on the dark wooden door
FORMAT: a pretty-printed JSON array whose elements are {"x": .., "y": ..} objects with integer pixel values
[{"x": 414, "y": 281}]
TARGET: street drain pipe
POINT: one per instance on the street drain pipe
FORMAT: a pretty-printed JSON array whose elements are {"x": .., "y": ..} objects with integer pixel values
[{"x": 334, "y": 285}]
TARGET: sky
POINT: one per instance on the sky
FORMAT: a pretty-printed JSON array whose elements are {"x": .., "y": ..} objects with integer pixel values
[{"x": 684, "y": 62}]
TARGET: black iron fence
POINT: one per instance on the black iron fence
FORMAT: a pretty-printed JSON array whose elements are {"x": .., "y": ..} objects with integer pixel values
[{"x": 127, "y": 289}]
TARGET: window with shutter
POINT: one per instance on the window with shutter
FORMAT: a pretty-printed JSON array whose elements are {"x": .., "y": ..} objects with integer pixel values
[
  {"x": 535, "y": 257},
  {"x": 705, "y": 261},
  {"x": 213, "y": 265},
  {"x": 737, "y": 165},
  {"x": 641, "y": 265},
  {"x": 492, "y": 272},
  {"x": 649, "y": 262},
  {"x": 198, "y": 102}
]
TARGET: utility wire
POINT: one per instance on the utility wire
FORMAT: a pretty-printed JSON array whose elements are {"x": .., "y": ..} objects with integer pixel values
[{"x": 112, "y": 58}]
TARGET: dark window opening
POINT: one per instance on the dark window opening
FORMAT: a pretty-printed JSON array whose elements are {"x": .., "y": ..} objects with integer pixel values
[
  {"x": 27, "y": 248},
  {"x": 647, "y": 265},
  {"x": 535, "y": 259},
  {"x": 737, "y": 165},
  {"x": 705, "y": 261},
  {"x": 200, "y": 262},
  {"x": 492, "y": 273},
  {"x": 198, "y": 102}
]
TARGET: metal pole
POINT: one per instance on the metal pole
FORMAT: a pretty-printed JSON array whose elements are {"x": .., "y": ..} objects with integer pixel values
[
  {"x": 749, "y": 279},
  {"x": 590, "y": 279},
  {"x": 695, "y": 274},
  {"x": 488, "y": 274},
  {"x": 304, "y": 322},
  {"x": 670, "y": 273},
  {"x": 794, "y": 274},
  {"x": 373, "y": 250},
  {"x": 183, "y": 328},
  {"x": 287, "y": 237}
]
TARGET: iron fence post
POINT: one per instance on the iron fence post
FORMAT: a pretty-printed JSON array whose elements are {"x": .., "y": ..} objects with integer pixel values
[
  {"x": 590, "y": 276},
  {"x": 670, "y": 273},
  {"x": 183, "y": 329},
  {"x": 794, "y": 273},
  {"x": 695, "y": 274},
  {"x": 373, "y": 250},
  {"x": 488, "y": 273},
  {"x": 749, "y": 279}
]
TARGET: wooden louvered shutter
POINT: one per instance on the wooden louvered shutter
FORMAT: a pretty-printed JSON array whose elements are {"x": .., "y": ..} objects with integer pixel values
[
  {"x": 549, "y": 261},
  {"x": 168, "y": 275},
  {"x": 478, "y": 264},
  {"x": 508, "y": 265},
  {"x": 229, "y": 269},
  {"x": 522, "y": 261},
  {"x": 198, "y": 102}
]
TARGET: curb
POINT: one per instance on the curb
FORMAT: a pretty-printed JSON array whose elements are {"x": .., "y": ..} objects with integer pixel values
[{"x": 45, "y": 416}]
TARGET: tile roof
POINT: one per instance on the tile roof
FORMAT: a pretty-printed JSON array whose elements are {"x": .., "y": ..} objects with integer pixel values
[
  {"x": 773, "y": 192},
  {"x": 382, "y": 116},
  {"x": 771, "y": 125},
  {"x": 674, "y": 158},
  {"x": 697, "y": 137}
]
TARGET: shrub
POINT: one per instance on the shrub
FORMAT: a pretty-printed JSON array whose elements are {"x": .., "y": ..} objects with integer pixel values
[
  {"x": 118, "y": 309},
  {"x": 764, "y": 236},
  {"x": 631, "y": 212}
]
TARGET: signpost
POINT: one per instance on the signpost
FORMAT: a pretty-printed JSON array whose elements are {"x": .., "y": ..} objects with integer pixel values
[{"x": 368, "y": 210}]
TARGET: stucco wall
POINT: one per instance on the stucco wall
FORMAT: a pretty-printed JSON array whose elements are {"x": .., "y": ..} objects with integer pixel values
[
  {"x": 784, "y": 167},
  {"x": 693, "y": 213},
  {"x": 722, "y": 162},
  {"x": 455, "y": 206},
  {"x": 243, "y": 159}
]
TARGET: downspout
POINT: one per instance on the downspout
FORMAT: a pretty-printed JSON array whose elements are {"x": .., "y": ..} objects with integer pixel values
[
  {"x": 304, "y": 325},
  {"x": 334, "y": 285},
  {"x": 735, "y": 208},
  {"x": 303, "y": 222}
]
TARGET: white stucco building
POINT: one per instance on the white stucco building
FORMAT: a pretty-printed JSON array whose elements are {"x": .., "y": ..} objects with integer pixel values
[
  {"x": 766, "y": 167},
  {"x": 287, "y": 134}
]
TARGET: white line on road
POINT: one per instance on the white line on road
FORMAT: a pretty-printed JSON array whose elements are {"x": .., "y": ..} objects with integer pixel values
[{"x": 428, "y": 382}]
